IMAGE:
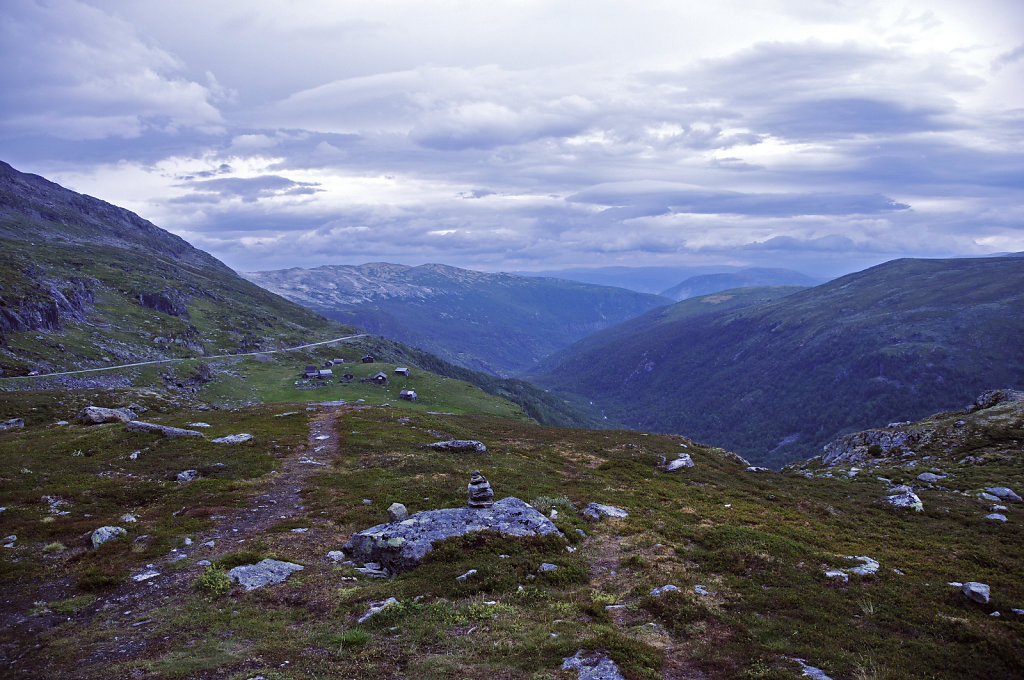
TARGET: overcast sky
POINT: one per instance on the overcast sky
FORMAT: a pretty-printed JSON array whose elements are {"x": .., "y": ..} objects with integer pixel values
[{"x": 821, "y": 135}]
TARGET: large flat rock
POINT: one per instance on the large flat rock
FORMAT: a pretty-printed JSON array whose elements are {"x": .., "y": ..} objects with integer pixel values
[{"x": 401, "y": 546}]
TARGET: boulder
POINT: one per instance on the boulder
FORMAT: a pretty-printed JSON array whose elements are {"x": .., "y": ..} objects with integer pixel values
[
  {"x": 592, "y": 667},
  {"x": 397, "y": 512},
  {"x": 233, "y": 438},
  {"x": 169, "y": 432},
  {"x": 96, "y": 415},
  {"x": 187, "y": 475},
  {"x": 995, "y": 397},
  {"x": 906, "y": 500},
  {"x": 988, "y": 497},
  {"x": 976, "y": 592},
  {"x": 929, "y": 477},
  {"x": 458, "y": 445},
  {"x": 264, "y": 573},
  {"x": 996, "y": 516},
  {"x": 1003, "y": 493},
  {"x": 596, "y": 511},
  {"x": 547, "y": 566},
  {"x": 401, "y": 546},
  {"x": 664, "y": 589},
  {"x": 11, "y": 424},
  {"x": 104, "y": 534},
  {"x": 683, "y": 461}
]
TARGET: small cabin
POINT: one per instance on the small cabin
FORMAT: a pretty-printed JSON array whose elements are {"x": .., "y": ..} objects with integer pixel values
[
  {"x": 338, "y": 361},
  {"x": 402, "y": 370},
  {"x": 380, "y": 378},
  {"x": 368, "y": 359},
  {"x": 311, "y": 372},
  {"x": 408, "y": 395},
  {"x": 326, "y": 373}
]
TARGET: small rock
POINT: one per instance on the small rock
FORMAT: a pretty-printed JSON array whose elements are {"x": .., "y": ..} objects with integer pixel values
[
  {"x": 930, "y": 477},
  {"x": 367, "y": 501},
  {"x": 664, "y": 589},
  {"x": 263, "y": 573},
  {"x": 458, "y": 445},
  {"x": 811, "y": 671},
  {"x": 594, "y": 667},
  {"x": 466, "y": 575},
  {"x": 906, "y": 500},
  {"x": 373, "y": 570},
  {"x": 1018, "y": 612},
  {"x": 204, "y": 563},
  {"x": 547, "y": 566},
  {"x": 199, "y": 424},
  {"x": 755, "y": 468},
  {"x": 701, "y": 590},
  {"x": 129, "y": 518},
  {"x": 1004, "y": 493},
  {"x": 233, "y": 438},
  {"x": 596, "y": 511},
  {"x": 998, "y": 508},
  {"x": 683, "y": 461},
  {"x": 868, "y": 567},
  {"x": 59, "y": 422},
  {"x": 14, "y": 423},
  {"x": 146, "y": 575},
  {"x": 336, "y": 555},
  {"x": 377, "y": 607},
  {"x": 996, "y": 516},
  {"x": 104, "y": 534},
  {"x": 397, "y": 512},
  {"x": 169, "y": 432},
  {"x": 96, "y": 415},
  {"x": 187, "y": 475},
  {"x": 994, "y": 614},
  {"x": 976, "y": 592},
  {"x": 900, "y": 488},
  {"x": 837, "y": 574},
  {"x": 989, "y": 497}
]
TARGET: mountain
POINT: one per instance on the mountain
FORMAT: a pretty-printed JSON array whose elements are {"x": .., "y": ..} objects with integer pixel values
[
  {"x": 744, "y": 278},
  {"x": 641, "y": 279},
  {"x": 775, "y": 381},
  {"x": 496, "y": 323}
]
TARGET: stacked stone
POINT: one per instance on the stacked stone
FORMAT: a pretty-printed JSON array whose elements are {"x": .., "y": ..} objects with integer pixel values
[{"x": 480, "y": 493}]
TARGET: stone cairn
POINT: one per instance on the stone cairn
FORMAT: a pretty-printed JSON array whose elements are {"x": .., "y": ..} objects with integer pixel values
[{"x": 480, "y": 493}]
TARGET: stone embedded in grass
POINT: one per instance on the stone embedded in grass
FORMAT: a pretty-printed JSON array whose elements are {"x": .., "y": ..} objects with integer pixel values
[
  {"x": 701, "y": 590},
  {"x": 929, "y": 477},
  {"x": 547, "y": 566},
  {"x": 669, "y": 588},
  {"x": 458, "y": 445},
  {"x": 397, "y": 512},
  {"x": 976, "y": 592},
  {"x": 906, "y": 500},
  {"x": 996, "y": 516},
  {"x": 755, "y": 468},
  {"x": 376, "y": 608},
  {"x": 233, "y": 438},
  {"x": 838, "y": 575},
  {"x": 199, "y": 424},
  {"x": 96, "y": 415},
  {"x": 683, "y": 461},
  {"x": 592, "y": 667},
  {"x": 187, "y": 475},
  {"x": 128, "y": 517},
  {"x": 1004, "y": 493},
  {"x": 263, "y": 573},
  {"x": 336, "y": 556},
  {"x": 596, "y": 511},
  {"x": 466, "y": 575},
  {"x": 12, "y": 424},
  {"x": 988, "y": 497},
  {"x": 811, "y": 671},
  {"x": 169, "y": 432},
  {"x": 867, "y": 568},
  {"x": 104, "y": 534}
]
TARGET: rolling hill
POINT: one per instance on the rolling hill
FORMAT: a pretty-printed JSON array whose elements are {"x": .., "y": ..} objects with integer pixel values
[
  {"x": 706, "y": 284},
  {"x": 497, "y": 323},
  {"x": 775, "y": 381}
]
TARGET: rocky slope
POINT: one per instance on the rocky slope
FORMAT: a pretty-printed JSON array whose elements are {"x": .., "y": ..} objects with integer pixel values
[{"x": 497, "y": 323}]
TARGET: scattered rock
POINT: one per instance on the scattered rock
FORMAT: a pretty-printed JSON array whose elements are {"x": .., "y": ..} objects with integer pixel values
[
  {"x": 988, "y": 497},
  {"x": 867, "y": 568},
  {"x": 458, "y": 445},
  {"x": 146, "y": 575},
  {"x": 96, "y": 415},
  {"x": 336, "y": 555},
  {"x": 12, "y": 424},
  {"x": 466, "y": 575},
  {"x": 755, "y": 468},
  {"x": 128, "y": 517},
  {"x": 702, "y": 590},
  {"x": 593, "y": 667},
  {"x": 664, "y": 589},
  {"x": 996, "y": 516},
  {"x": 930, "y": 477},
  {"x": 838, "y": 574},
  {"x": 596, "y": 511},
  {"x": 400, "y": 546},
  {"x": 397, "y": 512},
  {"x": 480, "y": 493},
  {"x": 233, "y": 438},
  {"x": 377, "y": 607},
  {"x": 263, "y": 573},
  {"x": 104, "y": 534},
  {"x": 169, "y": 432},
  {"x": 187, "y": 475},
  {"x": 547, "y": 566},
  {"x": 976, "y": 592},
  {"x": 1004, "y": 493},
  {"x": 200, "y": 424},
  {"x": 204, "y": 563},
  {"x": 906, "y": 500},
  {"x": 373, "y": 570},
  {"x": 683, "y": 461}
]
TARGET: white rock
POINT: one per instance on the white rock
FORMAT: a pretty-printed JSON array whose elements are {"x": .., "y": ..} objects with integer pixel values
[
  {"x": 233, "y": 438},
  {"x": 906, "y": 500},
  {"x": 596, "y": 511},
  {"x": 146, "y": 575},
  {"x": 188, "y": 475},
  {"x": 104, "y": 534},
  {"x": 199, "y": 425},
  {"x": 466, "y": 575},
  {"x": 665, "y": 589},
  {"x": 976, "y": 592},
  {"x": 996, "y": 516},
  {"x": 701, "y": 590},
  {"x": 263, "y": 573},
  {"x": 683, "y": 461},
  {"x": 377, "y": 607},
  {"x": 837, "y": 574},
  {"x": 336, "y": 556}
]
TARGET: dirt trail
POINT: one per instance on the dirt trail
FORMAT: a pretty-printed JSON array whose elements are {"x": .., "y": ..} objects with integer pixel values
[{"x": 130, "y": 609}]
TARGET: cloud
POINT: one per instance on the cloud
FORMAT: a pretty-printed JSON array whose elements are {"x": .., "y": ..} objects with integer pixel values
[{"x": 248, "y": 190}]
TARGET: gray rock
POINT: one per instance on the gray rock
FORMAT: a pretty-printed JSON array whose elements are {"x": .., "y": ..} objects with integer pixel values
[
  {"x": 976, "y": 592},
  {"x": 592, "y": 667},
  {"x": 12, "y": 424},
  {"x": 466, "y": 575},
  {"x": 858, "y": 447},
  {"x": 755, "y": 468},
  {"x": 187, "y": 475},
  {"x": 906, "y": 500},
  {"x": 397, "y": 512},
  {"x": 104, "y": 534},
  {"x": 1004, "y": 493},
  {"x": 900, "y": 488},
  {"x": 199, "y": 424},
  {"x": 401, "y": 546},
  {"x": 480, "y": 493},
  {"x": 458, "y": 445},
  {"x": 988, "y": 497},
  {"x": 996, "y": 516},
  {"x": 204, "y": 563},
  {"x": 701, "y": 590},
  {"x": 336, "y": 555},
  {"x": 995, "y": 397},
  {"x": 264, "y": 573},
  {"x": 837, "y": 574},
  {"x": 169, "y": 432},
  {"x": 665, "y": 589},
  {"x": 930, "y": 477},
  {"x": 233, "y": 438},
  {"x": 96, "y": 415},
  {"x": 547, "y": 566},
  {"x": 683, "y": 461},
  {"x": 596, "y": 511},
  {"x": 376, "y": 608},
  {"x": 867, "y": 568}
]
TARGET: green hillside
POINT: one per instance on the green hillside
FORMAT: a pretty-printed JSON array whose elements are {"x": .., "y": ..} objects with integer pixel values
[
  {"x": 706, "y": 284},
  {"x": 496, "y": 323},
  {"x": 775, "y": 381}
]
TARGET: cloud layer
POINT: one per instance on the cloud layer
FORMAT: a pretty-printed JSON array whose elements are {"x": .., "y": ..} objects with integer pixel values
[{"x": 532, "y": 135}]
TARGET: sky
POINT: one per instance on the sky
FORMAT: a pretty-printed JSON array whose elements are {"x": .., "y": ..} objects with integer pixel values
[{"x": 818, "y": 135}]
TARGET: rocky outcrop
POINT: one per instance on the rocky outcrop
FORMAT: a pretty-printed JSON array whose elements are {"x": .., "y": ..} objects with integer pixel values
[
  {"x": 167, "y": 303},
  {"x": 861, "y": 446},
  {"x": 264, "y": 573},
  {"x": 169, "y": 432},
  {"x": 592, "y": 667},
  {"x": 104, "y": 534},
  {"x": 97, "y": 415},
  {"x": 458, "y": 445},
  {"x": 45, "y": 305},
  {"x": 12, "y": 424},
  {"x": 401, "y": 546},
  {"x": 994, "y": 398}
]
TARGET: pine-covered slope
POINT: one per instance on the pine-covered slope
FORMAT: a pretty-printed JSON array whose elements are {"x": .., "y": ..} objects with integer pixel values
[{"x": 775, "y": 381}]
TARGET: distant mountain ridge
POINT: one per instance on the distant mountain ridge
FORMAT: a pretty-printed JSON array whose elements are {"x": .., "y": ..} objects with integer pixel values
[
  {"x": 706, "y": 284},
  {"x": 775, "y": 381},
  {"x": 497, "y": 323}
]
